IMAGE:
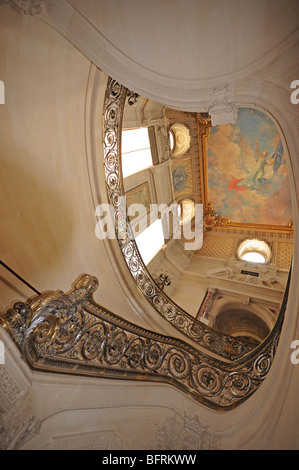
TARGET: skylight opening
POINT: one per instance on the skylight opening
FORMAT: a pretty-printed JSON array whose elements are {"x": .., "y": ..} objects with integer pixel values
[
  {"x": 253, "y": 257},
  {"x": 136, "y": 151},
  {"x": 254, "y": 251},
  {"x": 150, "y": 241}
]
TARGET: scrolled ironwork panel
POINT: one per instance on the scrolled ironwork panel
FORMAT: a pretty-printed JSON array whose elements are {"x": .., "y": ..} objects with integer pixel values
[
  {"x": 223, "y": 345},
  {"x": 70, "y": 333}
]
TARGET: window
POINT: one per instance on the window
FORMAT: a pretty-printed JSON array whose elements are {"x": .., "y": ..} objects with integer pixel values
[
  {"x": 179, "y": 139},
  {"x": 254, "y": 251},
  {"x": 136, "y": 151},
  {"x": 150, "y": 241},
  {"x": 186, "y": 210},
  {"x": 253, "y": 257},
  {"x": 171, "y": 140}
]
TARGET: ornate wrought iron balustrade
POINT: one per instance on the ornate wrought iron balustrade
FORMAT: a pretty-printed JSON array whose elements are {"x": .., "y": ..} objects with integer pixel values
[
  {"x": 220, "y": 344},
  {"x": 70, "y": 333}
]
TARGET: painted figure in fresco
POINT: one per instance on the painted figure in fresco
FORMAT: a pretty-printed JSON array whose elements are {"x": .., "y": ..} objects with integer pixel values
[
  {"x": 257, "y": 179},
  {"x": 181, "y": 178}
]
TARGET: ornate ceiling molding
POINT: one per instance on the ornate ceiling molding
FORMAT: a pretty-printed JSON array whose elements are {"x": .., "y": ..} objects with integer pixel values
[
  {"x": 29, "y": 7},
  {"x": 189, "y": 95}
]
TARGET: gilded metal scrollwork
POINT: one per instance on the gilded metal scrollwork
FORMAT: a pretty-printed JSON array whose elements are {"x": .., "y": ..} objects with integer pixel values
[
  {"x": 184, "y": 322},
  {"x": 70, "y": 333}
]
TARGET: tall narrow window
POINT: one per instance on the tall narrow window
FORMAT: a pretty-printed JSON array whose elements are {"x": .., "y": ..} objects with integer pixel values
[
  {"x": 136, "y": 151},
  {"x": 150, "y": 241}
]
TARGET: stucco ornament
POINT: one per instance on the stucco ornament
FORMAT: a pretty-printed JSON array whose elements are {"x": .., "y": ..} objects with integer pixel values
[{"x": 25, "y": 7}]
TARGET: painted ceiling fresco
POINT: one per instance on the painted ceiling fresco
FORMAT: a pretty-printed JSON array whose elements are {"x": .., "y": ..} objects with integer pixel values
[{"x": 247, "y": 171}]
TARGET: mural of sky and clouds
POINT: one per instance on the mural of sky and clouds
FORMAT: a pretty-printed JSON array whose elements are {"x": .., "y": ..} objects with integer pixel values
[{"x": 242, "y": 187}]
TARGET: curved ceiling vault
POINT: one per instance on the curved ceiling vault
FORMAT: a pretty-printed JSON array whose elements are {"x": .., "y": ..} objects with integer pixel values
[
  {"x": 193, "y": 40},
  {"x": 176, "y": 52}
]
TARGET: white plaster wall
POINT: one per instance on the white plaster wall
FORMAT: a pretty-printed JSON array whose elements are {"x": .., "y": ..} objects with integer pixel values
[
  {"x": 51, "y": 169},
  {"x": 261, "y": 78}
]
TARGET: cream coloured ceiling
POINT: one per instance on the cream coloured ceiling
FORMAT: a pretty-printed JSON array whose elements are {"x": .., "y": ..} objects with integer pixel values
[
  {"x": 176, "y": 52},
  {"x": 191, "y": 40}
]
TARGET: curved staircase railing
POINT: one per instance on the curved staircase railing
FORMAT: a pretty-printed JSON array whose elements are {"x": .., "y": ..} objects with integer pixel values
[{"x": 70, "y": 333}]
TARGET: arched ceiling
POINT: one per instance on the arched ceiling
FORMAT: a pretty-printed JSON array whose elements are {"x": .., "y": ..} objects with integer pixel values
[
  {"x": 191, "y": 40},
  {"x": 177, "y": 52}
]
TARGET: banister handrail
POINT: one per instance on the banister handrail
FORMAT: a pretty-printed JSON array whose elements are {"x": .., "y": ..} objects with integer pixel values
[
  {"x": 213, "y": 341},
  {"x": 70, "y": 333}
]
